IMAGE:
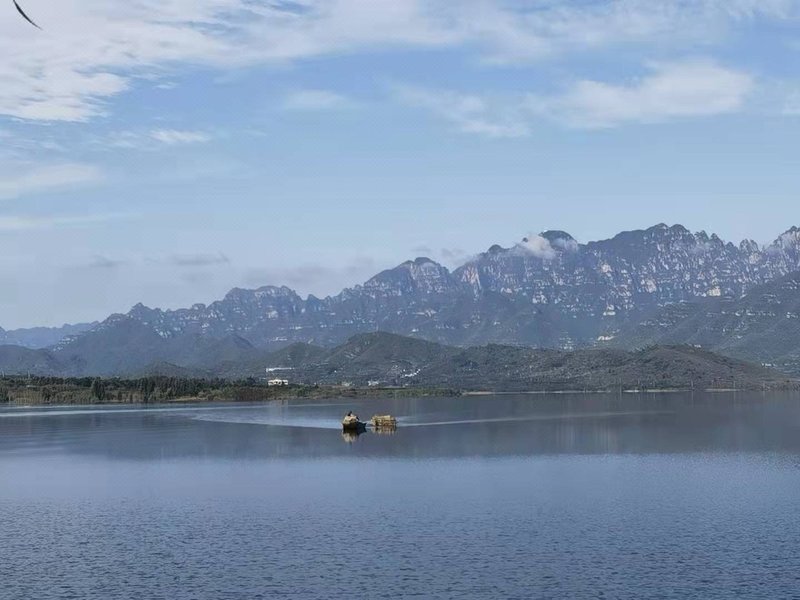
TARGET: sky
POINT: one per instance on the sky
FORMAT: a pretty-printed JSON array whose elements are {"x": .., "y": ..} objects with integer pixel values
[{"x": 167, "y": 151}]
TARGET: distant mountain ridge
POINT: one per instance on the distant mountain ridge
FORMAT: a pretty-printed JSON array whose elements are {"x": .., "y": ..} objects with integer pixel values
[
  {"x": 547, "y": 291},
  {"x": 42, "y": 337}
]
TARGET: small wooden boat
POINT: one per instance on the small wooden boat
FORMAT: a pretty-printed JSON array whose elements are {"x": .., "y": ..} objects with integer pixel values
[{"x": 352, "y": 423}]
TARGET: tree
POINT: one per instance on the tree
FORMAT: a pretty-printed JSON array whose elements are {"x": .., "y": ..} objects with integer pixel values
[{"x": 98, "y": 389}]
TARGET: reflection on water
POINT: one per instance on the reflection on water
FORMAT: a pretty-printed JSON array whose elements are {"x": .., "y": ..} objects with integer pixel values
[
  {"x": 351, "y": 436},
  {"x": 515, "y": 425},
  {"x": 385, "y": 430},
  {"x": 583, "y": 496}
]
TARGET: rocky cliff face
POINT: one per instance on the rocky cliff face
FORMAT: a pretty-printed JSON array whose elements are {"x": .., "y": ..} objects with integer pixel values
[
  {"x": 548, "y": 290},
  {"x": 761, "y": 326},
  {"x": 632, "y": 270}
]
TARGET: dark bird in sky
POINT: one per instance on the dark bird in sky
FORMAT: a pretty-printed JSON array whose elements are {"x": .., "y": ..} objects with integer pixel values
[{"x": 24, "y": 16}]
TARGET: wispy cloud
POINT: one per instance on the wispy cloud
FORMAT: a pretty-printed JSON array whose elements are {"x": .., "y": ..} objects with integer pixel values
[
  {"x": 44, "y": 178},
  {"x": 153, "y": 139},
  {"x": 455, "y": 256},
  {"x": 537, "y": 246},
  {"x": 99, "y": 261},
  {"x": 450, "y": 256},
  {"x": 675, "y": 90},
  {"x": 521, "y": 32},
  {"x": 671, "y": 90},
  {"x": 789, "y": 101},
  {"x": 314, "y": 278},
  {"x": 199, "y": 260},
  {"x": 63, "y": 74},
  {"x": 313, "y": 100},
  {"x": 30, "y": 222},
  {"x": 468, "y": 113},
  {"x": 173, "y": 137}
]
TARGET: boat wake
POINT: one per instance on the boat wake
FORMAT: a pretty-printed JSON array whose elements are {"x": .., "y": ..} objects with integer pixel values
[{"x": 554, "y": 417}]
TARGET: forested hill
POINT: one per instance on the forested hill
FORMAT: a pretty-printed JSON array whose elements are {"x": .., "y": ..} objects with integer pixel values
[{"x": 389, "y": 360}]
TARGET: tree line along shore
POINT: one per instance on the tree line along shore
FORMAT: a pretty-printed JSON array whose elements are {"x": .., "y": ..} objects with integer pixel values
[
  {"x": 36, "y": 391},
  {"x": 43, "y": 391}
]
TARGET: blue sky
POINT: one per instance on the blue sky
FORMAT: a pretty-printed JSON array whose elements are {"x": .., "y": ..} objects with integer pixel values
[{"x": 167, "y": 151}]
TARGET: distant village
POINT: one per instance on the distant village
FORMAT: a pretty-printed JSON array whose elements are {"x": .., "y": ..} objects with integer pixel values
[{"x": 273, "y": 381}]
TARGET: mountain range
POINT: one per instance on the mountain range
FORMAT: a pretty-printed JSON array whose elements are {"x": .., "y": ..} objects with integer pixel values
[
  {"x": 41, "y": 337},
  {"x": 662, "y": 285}
]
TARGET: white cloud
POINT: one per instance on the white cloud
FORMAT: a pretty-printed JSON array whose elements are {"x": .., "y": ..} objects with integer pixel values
[
  {"x": 468, "y": 113},
  {"x": 565, "y": 245},
  {"x": 153, "y": 139},
  {"x": 29, "y": 222},
  {"x": 173, "y": 137},
  {"x": 37, "y": 179},
  {"x": 316, "y": 100},
  {"x": 789, "y": 102},
  {"x": 552, "y": 27},
  {"x": 537, "y": 246},
  {"x": 672, "y": 90},
  {"x": 21, "y": 150},
  {"x": 90, "y": 50},
  {"x": 690, "y": 88}
]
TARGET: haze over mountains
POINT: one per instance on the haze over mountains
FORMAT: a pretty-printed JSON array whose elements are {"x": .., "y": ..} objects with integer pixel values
[
  {"x": 41, "y": 337},
  {"x": 657, "y": 285}
]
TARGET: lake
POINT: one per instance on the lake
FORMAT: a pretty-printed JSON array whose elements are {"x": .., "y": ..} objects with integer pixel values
[{"x": 512, "y": 496}]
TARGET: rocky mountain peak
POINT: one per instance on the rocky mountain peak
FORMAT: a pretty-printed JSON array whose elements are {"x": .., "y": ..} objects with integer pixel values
[
  {"x": 790, "y": 238},
  {"x": 421, "y": 275},
  {"x": 267, "y": 291},
  {"x": 560, "y": 241},
  {"x": 749, "y": 247},
  {"x": 552, "y": 236},
  {"x": 547, "y": 290},
  {"x": 141, "y": 312}
]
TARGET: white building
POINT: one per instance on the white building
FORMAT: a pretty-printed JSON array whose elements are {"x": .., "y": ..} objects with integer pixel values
[{"x": 277, "y": 382}]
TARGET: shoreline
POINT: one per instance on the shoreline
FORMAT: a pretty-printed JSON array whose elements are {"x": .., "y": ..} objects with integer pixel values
[
  {"x": 353, "y": 393},
  {"x": 623, "y": 391},
  {"x": 49, "y": 391}
]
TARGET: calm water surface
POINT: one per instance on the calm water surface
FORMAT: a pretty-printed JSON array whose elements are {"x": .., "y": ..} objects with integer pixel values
[{"x": 657, "y": 496}]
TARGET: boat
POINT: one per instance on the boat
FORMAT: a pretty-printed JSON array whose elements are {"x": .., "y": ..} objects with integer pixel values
[
  {"x": 351, "y": 422},
  {"x": 384, "y": 423}
]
